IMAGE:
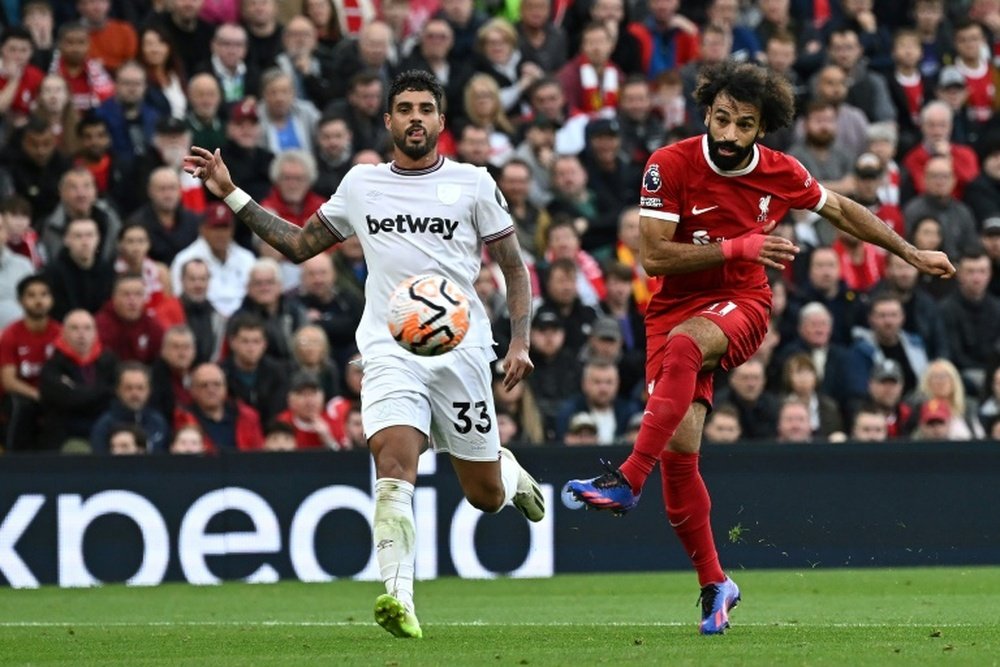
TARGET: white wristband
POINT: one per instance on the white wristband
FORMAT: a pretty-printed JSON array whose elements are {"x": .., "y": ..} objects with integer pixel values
[{"x": 236, "y": 200}]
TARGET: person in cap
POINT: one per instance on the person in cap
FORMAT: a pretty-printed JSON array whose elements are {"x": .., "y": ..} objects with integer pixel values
[
  {"x": 982, "y": 195},
  {"x": 582, "y": 430},
  {"x": 249, "y": 162},
  {"x": 935, "y": 420},
  {"x": 952, "y": 90},
  {"x": 556, "y": 373},
  {"x": 869, "y": 176},
  {"x": 613, "y": 179},
  {"x": 229, "y": 264},
  {"x": 313, "y": 427}
]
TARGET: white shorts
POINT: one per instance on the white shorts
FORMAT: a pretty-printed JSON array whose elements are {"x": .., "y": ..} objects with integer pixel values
[{"x": 447, "y": 398}]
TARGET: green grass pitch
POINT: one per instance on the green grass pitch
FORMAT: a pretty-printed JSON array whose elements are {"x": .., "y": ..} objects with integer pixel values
[{"x": 932, "y": 616}]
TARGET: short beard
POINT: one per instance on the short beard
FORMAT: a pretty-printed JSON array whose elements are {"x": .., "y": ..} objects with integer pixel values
[
  {"x": 416, "y": 151},
  {"x": 820, "y": 140},
  {"x": 726, "y": 162}
]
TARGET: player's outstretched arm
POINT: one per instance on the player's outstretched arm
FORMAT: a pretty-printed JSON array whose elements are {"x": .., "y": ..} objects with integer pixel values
[
  {"x": 294, "y": 242},
  {"x": 855, "y": 219},
  {"x": 506, "y": 252}
]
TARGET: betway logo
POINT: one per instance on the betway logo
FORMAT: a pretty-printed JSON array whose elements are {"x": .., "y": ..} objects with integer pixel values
[{"x": 408, "y": 224}]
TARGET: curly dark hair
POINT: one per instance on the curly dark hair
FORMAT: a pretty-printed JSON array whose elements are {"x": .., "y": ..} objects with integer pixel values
[
  {"x": 416, "y": 79},
  {"x": 770, "y": 92}
]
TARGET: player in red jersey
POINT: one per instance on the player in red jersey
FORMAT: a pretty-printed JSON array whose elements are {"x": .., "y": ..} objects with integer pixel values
[{"x": 708, "y": 206}]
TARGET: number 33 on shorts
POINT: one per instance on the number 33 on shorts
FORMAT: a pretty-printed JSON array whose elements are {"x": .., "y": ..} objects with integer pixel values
[{"x": 720, "y": 308}]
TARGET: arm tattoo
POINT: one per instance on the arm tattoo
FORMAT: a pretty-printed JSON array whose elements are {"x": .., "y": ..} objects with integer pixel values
[
  {"x": 506, "y": 252},
  {"x": 295, "y": 243}
]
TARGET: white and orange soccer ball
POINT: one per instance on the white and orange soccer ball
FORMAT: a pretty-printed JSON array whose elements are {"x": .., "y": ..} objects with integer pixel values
[{"x": 428, "y": 315}]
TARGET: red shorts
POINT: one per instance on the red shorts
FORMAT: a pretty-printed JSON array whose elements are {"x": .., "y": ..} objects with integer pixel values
[{"x": 743, "y": 321}]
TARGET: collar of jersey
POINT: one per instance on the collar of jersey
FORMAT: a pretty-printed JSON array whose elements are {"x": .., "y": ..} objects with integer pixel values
[
  {"x": 736, "y": 172},
  {"x": 396, "y": 169}
]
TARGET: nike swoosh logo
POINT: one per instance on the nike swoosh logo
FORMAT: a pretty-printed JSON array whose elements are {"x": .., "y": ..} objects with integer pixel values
[
  {"x": 679, "y": 523},
  {"x": 698, "y": 211},
  {"x": 647, "y": 412}
]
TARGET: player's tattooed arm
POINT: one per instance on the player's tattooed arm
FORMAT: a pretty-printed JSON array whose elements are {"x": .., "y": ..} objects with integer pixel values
[
  {"x": 506, "y": 252},
  {"x": 295, "y": 243}
]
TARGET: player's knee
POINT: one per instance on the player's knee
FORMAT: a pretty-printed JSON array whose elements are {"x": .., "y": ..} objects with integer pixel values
[{"x": 487, "y": 498}]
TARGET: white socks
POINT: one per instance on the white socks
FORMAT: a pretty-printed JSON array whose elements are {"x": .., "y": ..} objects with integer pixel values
[
  {"x": 510, "y": 472},
  {"x": 394, "y": 535}
]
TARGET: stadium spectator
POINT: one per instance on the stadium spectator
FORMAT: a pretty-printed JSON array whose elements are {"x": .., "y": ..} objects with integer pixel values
[
  {"x": 619, "y": 304},
  {"x": 870, "y": 425},
  {"x": 641, "y": 127},
  {"x": 958, "y": 227},
  {"x": 826, "y": 287},
  {"x": 371, "y": 51},
  {"x": 188, "y": 440},
  {"x": 35, "y": 166},
  {"x": 547, "y": 99},
  {"x": 757, "y": 408},
  {"x": 78, "y": 199},
  {"x": 265, "y": 298},
  {"x": 598, "y": 396},
  {"x": 25, "y": 345},
  {"x": 830, "y": 85},
  {"x": 190, "y": 34},
  {"x": 885, "y": 338},
  {"x": 171, "y": 226},
  {"x": 990, "y": 239},
  {"x": 205, "y": 321},
  {"x": 573, "y": 198},
  {"x": 229, "y": 264},
  {"x": 935, "y": 35},
  {"x": 112, "y": 173},
  {"x": 229, "y": 424},
  {"x": 13, "y": 267},
  {"x": 581, "y": 430},
  {"x": 248, "y": 160},
  {"x": 868, "y": 89},
  {"x": 935, "y": 421},
  {"x": 238, "y": 78},
  {"x": 133, "y": 258},
  {"x": 89, "y": 83},
  {"x": 908, "y": 86},
  {"x": 126, "y": 440},
  {"x": 164, "y": 71},
  {"x": 613, "y": 180},
  {"x": 171, "y": 372},
  {"x": 869, "y": 175},
  {"x": 483, "y": 108},
  {"x": 801, "y": 383},
  {"x": 591, "y": 80},
  {"x": 432, "y": 53},
  {"x": 953, "y": 91},
  {"x": 167, "y": 149},
  {"x": 885, "y": 392},
  {"x": 76, "y": 384},
  {"x": 981, "y": 75},
  {"x": 537, "y": 150},
  {"x": 780, "y": 55},
  {"x": 313, "y": 427},
  {"x": 921, "y": 311},
  {"x": 520, "y": 405},
  {"x": 942, "y": 382},
  {"x": 793, "y": 422},
  {"x": 112, "y": 42},
  {"x": 973, "y": 318},
  {"x": 311, "y": 69},
  {"x": 668, "y": 40},
  {"x": 288, "y": 122},
  {"x": 36, "y": 16},
  {"x": 20, "y": 81},
  {"x": 465, "y": 21},
  {"x": 744, "y": 43},
  {"x": 131, "y": 406},
  {"x": 935, "y": 129},
  {"x": 818, "y": 149},
  {"x": 604, "y": 343},
  {"x": 722, "y": 425},
  {"x": 989, "y": 409},
  {"x": 498, "y": 57},
  {"x": 335, "y": 310},
  {"x": 555, "y": 376},
  {"x": 530, "y": 221},
  {"x": 55, "y": 108},
  {"x": 541, "y": 41},
  {"x": 78, "y": 277},
  {"x": 333, "y": 153},
  {"x": 203, "y": 112},
  {"x": 124, "y": 326},
  {"x": 716, "y": 43},
  {"x": 292, "y": 173},
  {"x": 862, "y": 264},
  {"x": 255, "y": 378},
  {"x": 264, "y": 32},
  {"x": 362, "y": 109},
  {"x": 982, "y": 195},
  {"x": 311, "y": 353}
]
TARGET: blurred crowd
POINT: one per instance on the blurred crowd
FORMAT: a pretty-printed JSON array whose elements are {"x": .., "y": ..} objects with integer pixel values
[{"x": 139, "y": 317}]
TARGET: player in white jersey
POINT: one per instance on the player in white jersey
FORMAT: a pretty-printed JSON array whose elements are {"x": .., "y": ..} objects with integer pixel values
[{"x": 418, "y": 214}]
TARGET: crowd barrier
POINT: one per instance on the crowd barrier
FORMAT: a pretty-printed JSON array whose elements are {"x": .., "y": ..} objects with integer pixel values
[{"x": 81, "y": 521}]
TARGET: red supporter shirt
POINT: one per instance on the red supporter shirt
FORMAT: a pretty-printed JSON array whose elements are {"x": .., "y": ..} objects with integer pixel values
[
  {"x": 27, "y": 350},
  {"x": 681, "y": 185},
  {"x": 27, "y": 90},
  {"x": 306, "y": 436}
]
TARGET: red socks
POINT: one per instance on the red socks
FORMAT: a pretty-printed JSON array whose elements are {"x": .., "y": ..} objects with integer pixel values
[
  {"x": 688, "y": 508},
  {"x": 665, "y": 409}
]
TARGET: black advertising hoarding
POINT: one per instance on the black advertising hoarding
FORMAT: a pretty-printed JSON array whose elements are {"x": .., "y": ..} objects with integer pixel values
[{"x": 80, "y": 521}]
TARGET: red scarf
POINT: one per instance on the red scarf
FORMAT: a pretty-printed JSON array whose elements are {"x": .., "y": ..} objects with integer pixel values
[
  {"x": 600, "y": 90},
  {"x": 85, "y": 360}
]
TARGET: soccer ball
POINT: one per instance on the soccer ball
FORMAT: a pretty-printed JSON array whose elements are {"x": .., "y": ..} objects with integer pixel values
[{"x": 428, "y": 315}]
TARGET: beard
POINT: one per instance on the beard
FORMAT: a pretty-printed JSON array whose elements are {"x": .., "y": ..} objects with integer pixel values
[
  {"x": 728, "y": 162},
  {"x": 820, "y": 139},
  {"x": 415, "y": 151}
]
